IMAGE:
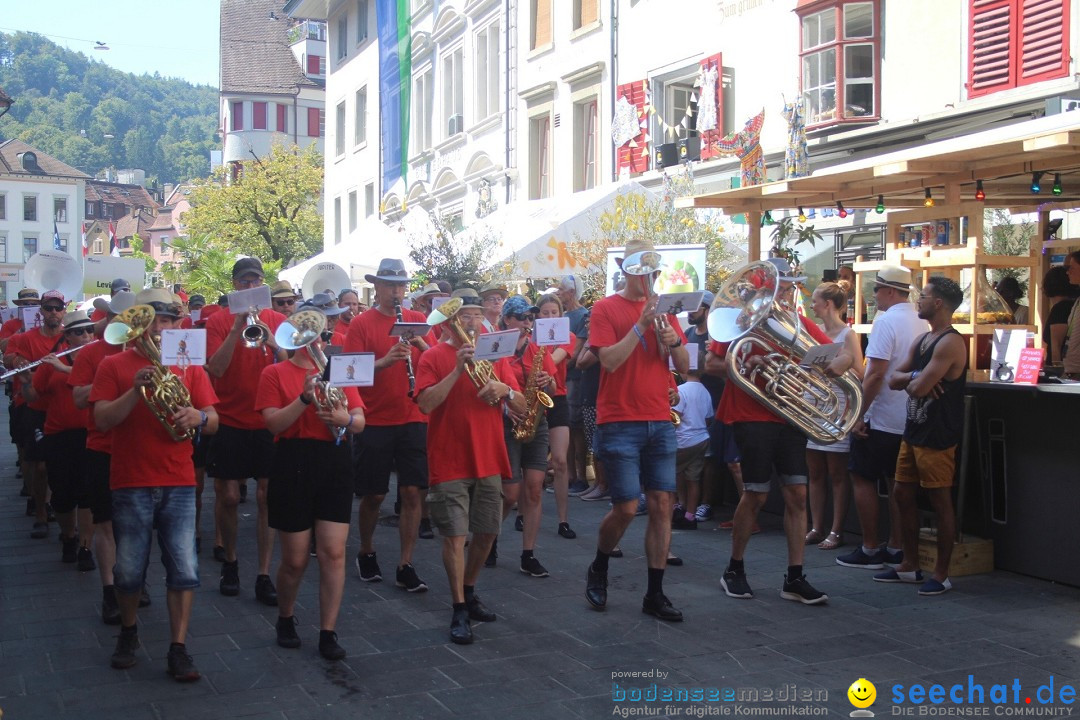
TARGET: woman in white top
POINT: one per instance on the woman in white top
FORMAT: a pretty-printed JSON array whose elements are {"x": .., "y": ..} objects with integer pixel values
[{"x": 828, "y": 302}]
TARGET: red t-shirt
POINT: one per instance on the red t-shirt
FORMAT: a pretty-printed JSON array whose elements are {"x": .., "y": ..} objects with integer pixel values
[
  {"x": 560, "y": 369},
  {"x": 97, "y": 315},
  {"x": 387, "y": 402},
  {"x": 61, "y": 413},
  {"x": 738, "y": 406},
  {"x": 465, "y": 434},
  {"x": 236, "y": 388},
  {"x": 143, "y": 454},
  {"x": 522, "y": 364},
  {"x": 32, "y": 345},
  {"x": 86, "y": 364},
  {"x": 11, "y": 327},
  {"x": 341, "y": 331},
  {"x": 637, "y": 391},
  {"x": 282, "y": 383}
]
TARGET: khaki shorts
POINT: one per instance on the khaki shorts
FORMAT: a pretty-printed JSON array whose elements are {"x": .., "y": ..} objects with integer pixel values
[
  {"x": 929, "y": 467},
  {"x": 459, "y": 507}
]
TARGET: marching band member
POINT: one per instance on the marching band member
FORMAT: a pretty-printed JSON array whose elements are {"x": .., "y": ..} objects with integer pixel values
[
  {"x": 558, "y": 417},
  {"x": 348, "y": 301},
  {"x": 242, "y": 446},
  {"x": 467, "y": 459},
  {"x": 635, "y": 438},
  {"x": 25, "y": 298},
  {"x": 196, "y": 304},
  {"x": 397, "y": 431},
  {"x": 283, "y": 297},
  {"x": 493, "y": 294},
  {"x": 153, "y": 485},
  {"x": 310, "y": 488}
]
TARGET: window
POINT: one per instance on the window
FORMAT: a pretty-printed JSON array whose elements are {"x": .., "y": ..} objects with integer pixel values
[
  {"x": 60, "y": 209},
  {"x": 314, "y": 122},
  {"x": 361, "y": 21},
  {"x": 282, "y": 119},
  {"x": 422, "y": 112},
  {"x": 99, "y": 246},
  {"x": 487, "y": 71},
  {"x": 316, "y": 30},
  {"x": 63, "y": 243},
  {"x": 3, "y": 248},
  {"x": 339, "y": 129},
  {"x": 337, "y": 221},
  {"x": 540, "y": 157},
  {"x": 360, "y": 121},
  {"x": 352, "y": 211},
  {"x": 237, "y": 116},
  {"x": 541, "y": 23},
  {"x": 839, "y": 57},
  {"x": 29, "y": 246},
  {"x": 586, "y": 13},
  {"x": 163, "y": 245},
  {"x": 91, "y": 208},
  {"x": 3, "y": 206},
  {"x": 1012, "y": 43},
  {"x": 342, "y": 38},
  {"x": 453, "y": 92},
  {"x": 29, "y": 212},
  {"x": 585, "y": 146},
  {"x": 369, "y": 199},
  {"x": 679, "y": 105},
  {"x": 258, "y": 115}
]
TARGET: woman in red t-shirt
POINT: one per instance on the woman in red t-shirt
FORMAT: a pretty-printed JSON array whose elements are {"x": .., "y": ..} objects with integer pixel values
[
  {"x": 558, "y": 416},
  {"x": 310, "y": 486}
]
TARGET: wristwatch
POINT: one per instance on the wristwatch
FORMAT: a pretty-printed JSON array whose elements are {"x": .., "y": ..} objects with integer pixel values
[
  {"x": 509, "y": 394},
  {"x": 205, "y": 419},
  {"x": 677, "y": 343}
]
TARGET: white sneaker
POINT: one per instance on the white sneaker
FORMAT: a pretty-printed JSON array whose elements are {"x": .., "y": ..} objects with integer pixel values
[{"x": 703, "y": 512}]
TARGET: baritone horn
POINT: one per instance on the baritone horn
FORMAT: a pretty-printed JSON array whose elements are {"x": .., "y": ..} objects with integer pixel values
[
  {"x": 303, "y": 329},
  {"x": 481, "y": 372},
  {"x": 747, "y": 313}
]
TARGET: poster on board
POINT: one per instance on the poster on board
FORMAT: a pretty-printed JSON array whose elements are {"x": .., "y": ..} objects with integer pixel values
[{"x": 682, "y": 269}]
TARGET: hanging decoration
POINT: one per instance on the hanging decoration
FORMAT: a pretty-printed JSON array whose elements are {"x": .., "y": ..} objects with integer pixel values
[
  {"x": 796, "y": 163},
  {"x": 625, "y": 125},
  {"x": 746, "y": 145},
  {"x": 706, "y": 83}
]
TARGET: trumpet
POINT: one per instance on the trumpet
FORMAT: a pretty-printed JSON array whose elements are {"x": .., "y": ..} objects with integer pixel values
[{"x": 255, "y": 332}]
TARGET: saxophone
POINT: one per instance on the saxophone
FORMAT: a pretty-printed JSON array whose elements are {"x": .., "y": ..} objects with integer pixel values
[{"x": 525, "y": 428}]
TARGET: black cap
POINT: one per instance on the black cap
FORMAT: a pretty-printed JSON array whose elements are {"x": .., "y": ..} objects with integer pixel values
[
  {"x": 196, "y": 299},
  {"x": 247, "y": 265},
  {"x": 120, "y": 284}
]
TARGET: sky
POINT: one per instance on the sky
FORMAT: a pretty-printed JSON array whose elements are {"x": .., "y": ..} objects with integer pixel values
[{"x": 144, "y": 36}]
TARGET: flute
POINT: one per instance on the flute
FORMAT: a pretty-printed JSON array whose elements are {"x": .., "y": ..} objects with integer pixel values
[
  {"x": 31, "y": 366},
  {"x": 408, "y": 358}
]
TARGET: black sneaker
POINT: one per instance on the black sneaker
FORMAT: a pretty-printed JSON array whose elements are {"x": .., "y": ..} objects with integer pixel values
[
  {"x": 460, "y": 628},
  {"x": 735, "y": 585},
  {"x": 265, "y": 592},
  {"x": 313, "y": 551},
  {"x": 492, "y": 555},
  {"x": 368, "y": 567},
  {"x": 110, "y": 611},
  {"x": 858, "y": 558},
  {"x": 531, "y": 566},
  {"x": 596, "y": 588},
  {"x": 219, "y": 554},
  {"x": 660, "y": 607},
  {"x": 478, "y": 611},
  {"x": 181, "y": 666},
  {"x": 85, "y": 560},
  {"x": 802, "y": 591},
  {"x": 519, "y": 523},
  {"x": 407, "y": 578},
  {"x": 566, "y": 532},
  {"x": 426, "y": 532},
  {"x": 286, "y": 632},
  {"x": 70, "y": 551},
  {"x": 144, "y": 596},
  {"x": 40, "y": 530},
  {"x": 127, "y": 642},
  {"x": 681, "y": 523},
  {"x": 230, "y": 579},
  {"x": 328, "y": 646},
  {"x": 31, "y": 508}
]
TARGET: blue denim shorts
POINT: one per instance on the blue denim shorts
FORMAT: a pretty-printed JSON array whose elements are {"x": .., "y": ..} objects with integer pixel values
[
  {"x": 637, "y": 455},
  {"x": 136, "y": 514}
]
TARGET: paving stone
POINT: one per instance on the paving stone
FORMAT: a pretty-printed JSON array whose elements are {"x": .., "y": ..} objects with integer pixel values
[{"x": 503, "y": 695}]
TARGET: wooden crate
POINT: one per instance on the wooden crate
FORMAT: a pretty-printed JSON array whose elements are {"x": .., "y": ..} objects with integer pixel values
[{"x": 973, "y": 556}]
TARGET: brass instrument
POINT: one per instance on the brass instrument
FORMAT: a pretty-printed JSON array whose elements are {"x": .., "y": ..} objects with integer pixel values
[
  {"x": 645, "y": 264},
  {"x": 255, "y": 332},
  {"x": 480, "y": 372},
  {"x": 672, "y": 415},
  {"x": 747, "y": 313},
  {"x": 408, "y": 358},
  {"x": 301, "y": 330},
  {"x": 169, "y": 393},
  {"x": 525, "y": 428}
]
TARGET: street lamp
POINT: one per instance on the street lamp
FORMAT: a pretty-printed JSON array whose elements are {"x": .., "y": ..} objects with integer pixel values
[{"x": 5, "y": 102}]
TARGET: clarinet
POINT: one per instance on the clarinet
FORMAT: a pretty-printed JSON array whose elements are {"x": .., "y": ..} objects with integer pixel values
[{"x": 408, "y": 358}]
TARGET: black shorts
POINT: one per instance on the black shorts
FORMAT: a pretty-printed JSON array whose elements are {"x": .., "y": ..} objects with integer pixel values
[
  {"x": 311, "y": 480},
  {"x": 96, "y": 467},
  {"x": 768, "y": 446},
  {"x": 12, "y": 416},
  {"x": 200, "y": 449},
  {"x": 532, "y": 455},
  {"x": 237, "y": 454},
  {"x": 559, "y": 413},
  {"x": 64, "y": 463},
  {"x": 382, "y": 449},
  {"x": 32, "y": 434},
  {"x": 874, "y": 457}
]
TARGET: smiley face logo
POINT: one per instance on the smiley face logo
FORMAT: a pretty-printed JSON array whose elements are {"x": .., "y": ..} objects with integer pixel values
[{"x": 862, "y": 693}]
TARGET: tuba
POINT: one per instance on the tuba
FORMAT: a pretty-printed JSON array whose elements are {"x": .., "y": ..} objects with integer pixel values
[
  {"x": 480, "y": 372},
  {"x": 525, "y": 428},
  {"x": 169, "y": 393},
  {"x": 747, "y": 313},
  {"x": 301, "y": 330}
]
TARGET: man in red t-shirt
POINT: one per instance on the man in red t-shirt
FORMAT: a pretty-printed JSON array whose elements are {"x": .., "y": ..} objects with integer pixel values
[
  {"x": 396, "y": 434},
  {"x": 242, "y": 448},
  {"x": 283, "y": 297},
  {"x": 26, "y": 297},
  {"x": 467, "y": 458},
  {"x": 349, "y": 301},
  {"x": 768, "y": 444},
  {"x": 153, "y": 483},
  {"x": 635, "y": 438}
]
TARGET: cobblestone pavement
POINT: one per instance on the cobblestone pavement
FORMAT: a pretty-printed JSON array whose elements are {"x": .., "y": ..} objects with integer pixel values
[{"x": 548, "y": 655}]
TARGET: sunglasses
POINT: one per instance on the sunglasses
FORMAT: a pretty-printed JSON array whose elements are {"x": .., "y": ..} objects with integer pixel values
[
  {"x": 520, "y": 316},
  {"x": 80, "y": 331},
  {"x": 53, "y": 308},
  {"x": 283, "y": 303}
]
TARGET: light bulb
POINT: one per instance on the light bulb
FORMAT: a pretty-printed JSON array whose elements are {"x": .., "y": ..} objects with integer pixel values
[
  {"x": 929, "y": 201},
  {"x": 979, "y": 194},
  {"x": 1057, "y": 184},
  {"x": 880, "y": 204},
  {"x": 802, "y": 215},
  {"x": 840, "y": 209},
  {"x": 1036, "y": 185}
]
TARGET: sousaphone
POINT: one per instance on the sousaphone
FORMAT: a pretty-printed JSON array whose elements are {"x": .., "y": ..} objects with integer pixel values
[
  {"x": 326, "y": 277},
  {"x": 54, "y": 270}
]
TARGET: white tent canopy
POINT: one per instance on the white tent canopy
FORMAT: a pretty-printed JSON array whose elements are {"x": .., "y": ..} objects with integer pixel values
[{"x": 358, "y": 256}]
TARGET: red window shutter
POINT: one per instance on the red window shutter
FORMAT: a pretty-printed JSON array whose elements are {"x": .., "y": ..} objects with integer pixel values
[
  {"x": 258, "y": 115},
  {"x": 237, "y": 116},
  {"x": 281, "y": 121},
  {"x": 1043, "y": 51},
  {"x": 708, "y": 137},
  {"x": 313, "y": 122},
  {"x": 313, "y": 64},
  {"x": 634, "y": 154},
  {"x": 992, "y": 46}
]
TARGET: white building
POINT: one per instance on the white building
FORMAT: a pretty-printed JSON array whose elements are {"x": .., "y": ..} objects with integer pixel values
[{"x": 36, "y": 191}]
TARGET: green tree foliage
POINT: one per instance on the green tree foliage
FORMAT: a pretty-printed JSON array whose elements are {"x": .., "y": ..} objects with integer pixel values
[
  {"x": 204, "y": 266},
  {"x": 269, "y": 211},
  {"x": 1005, "y": 235},
  {"x": 442, "y": 256},
  {"x": 66, "y": 103}
]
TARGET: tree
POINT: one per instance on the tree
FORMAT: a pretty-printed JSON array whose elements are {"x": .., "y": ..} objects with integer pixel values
[
  {"x": 441, "y": 255},
  {"x": 269, "y": 211},
  {"x": 204, "y": 266},
  {"x": 1002, "y": 235}
]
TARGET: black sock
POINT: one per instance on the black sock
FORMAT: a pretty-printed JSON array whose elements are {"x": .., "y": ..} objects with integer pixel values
[
  {"x": 656, "y": 581},
  {"x": 459, "y": 606},
  {"x": 736, "y": 565},
  {"x": 129, "y": 630},
  {"x": 470, "y": 591},
  {"x": 326, "y": 636},
  {"x": 600, "y": 564},
  {"x": 177, "y": 646},
  {"x": 526, "y": 554},
  {"x": 794, "y": 572}
]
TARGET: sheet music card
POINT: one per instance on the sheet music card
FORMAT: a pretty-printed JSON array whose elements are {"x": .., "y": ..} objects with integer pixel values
[
  {"x": 496, "y": 345},
  {"x": 242, "y": 301},
  {"x": 31, "y": 316},
  {"x": 821, "y": 355},
  {"x": 352, "y": 369},
  {"x": 675, "y": 303},
  {"x": 409, "y": 330},
  {"x": 551, "y": 331},
  {"x": 183, "y": 347},
  {"x": 692, "y": 349},
  {"x": 8, "y": 313}
]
